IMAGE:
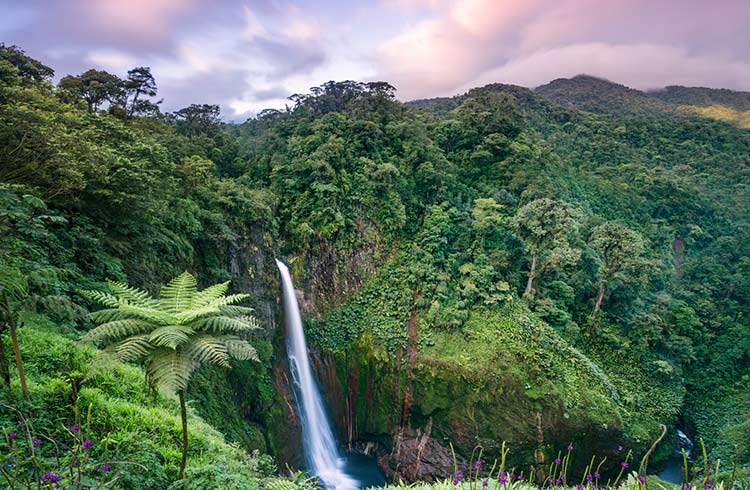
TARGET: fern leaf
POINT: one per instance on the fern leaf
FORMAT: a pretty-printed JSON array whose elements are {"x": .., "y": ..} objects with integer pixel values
[
  {"x": 169, "y": 370},
  {"x": 131, "y": 348},
  {"x": 171, "y": 336},
  {"x": 132, "y": 295},
  {"x": 203, "y": 298},
  {"x": 225, "y": 324},
  {"x": 209, "y": 349},
  {"x": 100, "y": 297},
  {"x": 190, "y": 315},
  {"x": 153, "y": 315},
  {"x": 233, "y": 310},
  {"x": 107, "y": 315},
  {"x": 178, "y": 294},
  {"x": 118, "y": 329},
  {"x": 241, "y": 350},
  {"x": 228, "y": 300}
]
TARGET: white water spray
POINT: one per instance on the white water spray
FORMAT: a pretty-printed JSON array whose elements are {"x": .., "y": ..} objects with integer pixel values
[{"x": 319, "y": 445}]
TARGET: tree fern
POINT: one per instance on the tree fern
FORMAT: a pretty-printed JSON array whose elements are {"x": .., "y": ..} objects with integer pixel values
[{"x": 175, "y": 334}]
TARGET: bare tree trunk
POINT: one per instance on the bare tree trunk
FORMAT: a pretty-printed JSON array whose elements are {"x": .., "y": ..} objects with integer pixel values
[
  {"x": 532, "y": 275},
  {"x": 4, "y": 368},
  {"x": 183, "y": 414},
  {"x": 599, "y": 298},
  {"x": 16, "y": 350}
]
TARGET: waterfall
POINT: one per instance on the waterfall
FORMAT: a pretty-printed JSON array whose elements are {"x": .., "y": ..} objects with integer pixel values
[{"x": 321, "y": 451}]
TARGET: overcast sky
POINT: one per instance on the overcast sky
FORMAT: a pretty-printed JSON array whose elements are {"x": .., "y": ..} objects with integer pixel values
[{"x": 250, "y": 55}]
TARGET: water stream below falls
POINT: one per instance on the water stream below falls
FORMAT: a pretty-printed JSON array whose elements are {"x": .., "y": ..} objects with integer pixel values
[{"x": 320, "y": 449}]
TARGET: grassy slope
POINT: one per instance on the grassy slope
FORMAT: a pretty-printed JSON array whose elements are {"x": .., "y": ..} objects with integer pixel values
[{"x": 127, "y": 423}]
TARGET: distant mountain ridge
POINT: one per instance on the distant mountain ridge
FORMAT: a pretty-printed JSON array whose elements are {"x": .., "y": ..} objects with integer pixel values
[{"x": 598, "y": 95}]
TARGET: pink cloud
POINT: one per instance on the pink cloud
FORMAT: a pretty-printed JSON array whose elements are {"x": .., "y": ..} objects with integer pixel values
[
  {"x": 144, "y": 19},
  {"x": 479, "y": 41}
]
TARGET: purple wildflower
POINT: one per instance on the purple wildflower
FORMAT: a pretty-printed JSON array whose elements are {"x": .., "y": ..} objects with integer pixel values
[
  {"x": 50, "y": 477},
  {"x": 532, "y": 469},
  {"x": 570, "y": 447},
  {"x": 105, "y": 468},
  {"x": 13, "y": 436},
  {"x": 519, "y": 478},
  {"x": 557, "y": 482},
  {"x": 87, "y": 444},
  {"x": 455, "y": 481},
  {"x": 557, "y": 461},
  {"x": 478, "y": 464},
  {"x": 503, "y": 478},
  {"x": 459, "y": 474},
  {"x": 75, "y": 428},
  {"x": 642, "y": 479},
  {"x": 707, "y": 485},
  {"x": 484, "y": 483},
  {"x": 37, "y": 442},
  {"x": 624, "y": 464},
  {"x": 597, "y": 475},
  {"x": 562, "y": 476},
  {"x": 579, "y": 487},
  {"x": 589, "y": 477}
]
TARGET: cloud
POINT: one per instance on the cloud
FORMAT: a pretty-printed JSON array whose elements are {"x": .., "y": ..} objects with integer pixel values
[
  {"x": 639, "y": 42},
  {"x": 643, "y": 66}
]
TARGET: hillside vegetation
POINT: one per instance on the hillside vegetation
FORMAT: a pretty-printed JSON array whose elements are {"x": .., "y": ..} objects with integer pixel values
[{"x": 541, "y": 267}]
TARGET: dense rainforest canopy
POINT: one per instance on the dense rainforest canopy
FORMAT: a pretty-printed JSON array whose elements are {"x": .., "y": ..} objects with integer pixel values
[{"x": 577, "y": 255}]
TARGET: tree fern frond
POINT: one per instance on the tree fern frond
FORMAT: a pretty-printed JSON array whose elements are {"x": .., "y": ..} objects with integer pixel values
[
  {"x": 241, "y": 350},
  {"x": 178, "y": 294},
  {"x": 153, "y": 315},
  {"x": 131, "y": 348},
  {"x": 13, "y": 283},
  {"x": 228, "y": 300},
  {"x": 208, "y": 349},
  {"x": 132, "y": 295},
  {"x": 118, "y": 329},
  {"x": 169, "y": 370},
  {"x": 190, "y": 315},
  {"x": 101, "y": 297},
  {"x": 233, "y": 310},
  {"x": 107, "y": 315},
  {"x": 211, "y": 293},
  {"x": 225, "y": 324},
  {"x": 171, "y": 336}
]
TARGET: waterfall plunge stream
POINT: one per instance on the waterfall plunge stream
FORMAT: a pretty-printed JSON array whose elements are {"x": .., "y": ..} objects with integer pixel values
[{"x": 321, "y": 452}]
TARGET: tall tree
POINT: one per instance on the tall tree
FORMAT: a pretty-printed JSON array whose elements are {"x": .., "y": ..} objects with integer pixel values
[
  {"x": 174, "y": 334},
  {"x": 545, "y": 226},
  {"x": 620, "y": 254},
  {"x": 139, "y": 84},
  {"x": 198, "y": 119},
  {"x": 95, "y": 87},
  {"x": 28, "y": 69}
]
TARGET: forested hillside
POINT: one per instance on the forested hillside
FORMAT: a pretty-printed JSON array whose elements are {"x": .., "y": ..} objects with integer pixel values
[{"x": 541, "y": 267}]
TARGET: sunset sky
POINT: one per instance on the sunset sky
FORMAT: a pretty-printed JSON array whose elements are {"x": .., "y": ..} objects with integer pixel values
[{"x": 250, "y": 55}]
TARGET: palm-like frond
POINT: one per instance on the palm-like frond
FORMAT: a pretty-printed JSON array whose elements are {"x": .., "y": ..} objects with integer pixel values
[
  {"x": 169, "y": 370},
  {"x": 13, "y": 283},
  {"x": 178, "y": 294},
  {"x": 153, "y": 315},
  {"x": 176, "y": 333},
  {"x": 234, "y": 310},
  {"x": 171, "y": 336},
  {"x": 131, "y": 349},
  {"x": 118, "y": 329},
  {"x": 132, "y": 295},
  {"x": 228, "y": 300},
  {"x": 241, "y": 350},
  {"x": 211, "y": 293},
  {"x": 101, "y": 297},
  {"x": 108, "y": 315},
  {"x": 225, "y": 324},
  {"x": 208, "y": 349}
]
